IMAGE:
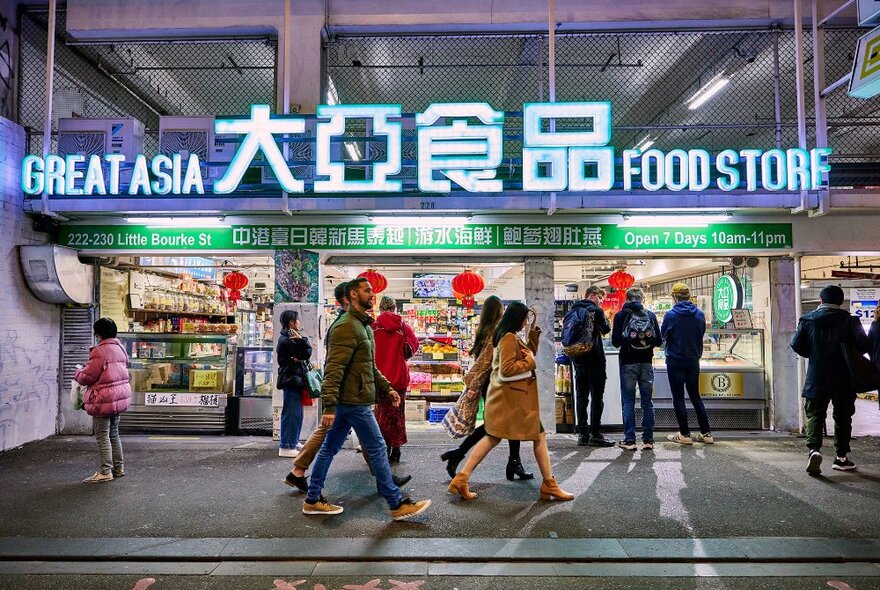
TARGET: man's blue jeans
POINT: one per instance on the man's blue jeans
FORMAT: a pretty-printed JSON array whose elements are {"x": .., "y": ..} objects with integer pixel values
[
  {"x": 641, "y": 374},
  {"x": 363, "y": 421},
  {"x": 683, "y": 377}
]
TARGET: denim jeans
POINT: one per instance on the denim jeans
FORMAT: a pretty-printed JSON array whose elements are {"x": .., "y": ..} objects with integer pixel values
[
  {"x": 291, "y": 418},
  {"x": 641, "y": 374},
  {"x": 363, "y": 421},
  {"x": 681, "y": 377},
  {"x": 109, "y": 445}
]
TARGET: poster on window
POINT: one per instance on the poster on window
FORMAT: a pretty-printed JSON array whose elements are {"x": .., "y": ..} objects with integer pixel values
[{"x": 296, "y": 276}]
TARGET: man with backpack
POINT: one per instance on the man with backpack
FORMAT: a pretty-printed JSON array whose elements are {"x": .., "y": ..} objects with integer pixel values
[
  {"x": 636, "y": 333},
  {"x": 582, "y": 331}
]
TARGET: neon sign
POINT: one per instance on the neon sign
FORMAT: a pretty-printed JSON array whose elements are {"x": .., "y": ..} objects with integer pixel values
[{"x": 457, "y": 143}]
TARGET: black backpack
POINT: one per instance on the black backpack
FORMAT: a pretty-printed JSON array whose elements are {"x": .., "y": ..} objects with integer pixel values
[{"x": 638, "y": 331}]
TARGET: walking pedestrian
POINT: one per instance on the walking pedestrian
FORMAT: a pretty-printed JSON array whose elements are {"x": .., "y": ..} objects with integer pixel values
[
  {"x": 820, "y": 337},
  {"x": 586, "y": 322},
  {"x": 351, "y": 384},
  {"x": 512, "y": 407},
  {"x": 293, "y": 350},
  {"x": 395, "y": 343},
  {"x": 108, "y": 394},
  {"x": 477, "y": 383},
  {"x": 682, "y": 331},
  {"x": 297, "y": 476},
  {"x": 636, "y": 333}
]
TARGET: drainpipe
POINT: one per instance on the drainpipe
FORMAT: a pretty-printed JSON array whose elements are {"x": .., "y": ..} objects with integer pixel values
[
  {"x": 799, "y": 79},
  {"x": 285, "y": 92},
  {"x": 819, "y": 100},
  {"x": 47, "y": 122}
]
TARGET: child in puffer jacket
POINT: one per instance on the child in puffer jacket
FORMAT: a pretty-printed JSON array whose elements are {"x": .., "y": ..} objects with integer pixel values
[{"x": 108, "y": 394}]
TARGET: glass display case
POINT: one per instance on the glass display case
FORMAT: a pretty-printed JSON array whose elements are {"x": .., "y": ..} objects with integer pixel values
[
  {"x": 178, "y": 381},
  {"x": 727, "y": 350}
]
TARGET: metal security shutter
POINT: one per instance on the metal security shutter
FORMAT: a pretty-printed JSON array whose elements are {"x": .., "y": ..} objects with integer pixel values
[
  {"x": 719, "y": 419},
  {"x": 76, "y": 340}
]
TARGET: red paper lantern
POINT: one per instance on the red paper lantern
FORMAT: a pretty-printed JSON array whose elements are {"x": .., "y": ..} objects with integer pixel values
[
  {"x": 235, "y": 282},
  {"x": 457, "y": 295},
  {"x": 468, "y": 284},
  {"x": 613, "y": 302},
  {"x": 377, "y": 280},
  {"x": 621, "y": 280}
]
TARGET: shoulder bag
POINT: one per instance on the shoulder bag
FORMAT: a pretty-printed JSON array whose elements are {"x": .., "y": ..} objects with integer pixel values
[
  {"x": 314, "y": 378},
  {"x": 865, "y": 376}
]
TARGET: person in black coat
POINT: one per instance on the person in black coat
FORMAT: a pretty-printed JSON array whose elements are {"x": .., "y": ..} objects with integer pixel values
[
  {"x": 292, "y": 350},
  {"x": 819, "y": 337},
  {"x": 590, "y": 369},
  {"x": 874, "y": 338}
]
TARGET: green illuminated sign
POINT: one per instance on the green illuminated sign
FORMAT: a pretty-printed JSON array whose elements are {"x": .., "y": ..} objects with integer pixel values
[
  {"x": 727, "y": 297},
  {"x": 556, "y": 236}
]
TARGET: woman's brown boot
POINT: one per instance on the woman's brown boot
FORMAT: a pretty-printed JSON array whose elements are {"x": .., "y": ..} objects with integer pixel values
[
  {"x": 459, "y": 485},
  {"x": 551, "y": 490}
]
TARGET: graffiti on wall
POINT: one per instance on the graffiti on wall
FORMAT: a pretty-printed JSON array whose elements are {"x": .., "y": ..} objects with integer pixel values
[{"x": 26, "y": 382}]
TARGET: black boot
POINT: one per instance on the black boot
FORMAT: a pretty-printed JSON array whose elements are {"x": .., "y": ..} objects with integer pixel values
[
  {"x": 583, "y": 439},
  {"x": 394, "y": 455},
  {"x": 401, "y": 481},
  {"x": 515, "y": 468},
  {"x": 452, "y": 458}
]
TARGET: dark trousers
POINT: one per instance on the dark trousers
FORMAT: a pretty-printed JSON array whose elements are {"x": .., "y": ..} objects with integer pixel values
[
  {"x": 479, "y": 432},
  {"x": 816, "y": 411},
  {"x": 683, "y": 377},
  {"x": 589, "y": 380}
]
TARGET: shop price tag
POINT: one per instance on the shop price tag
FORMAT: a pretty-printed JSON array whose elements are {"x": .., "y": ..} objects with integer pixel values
[
  {"x": 438, "y": 356},
  {"x": 444, "y": 391},
  {"x": 204, "y": 379}
]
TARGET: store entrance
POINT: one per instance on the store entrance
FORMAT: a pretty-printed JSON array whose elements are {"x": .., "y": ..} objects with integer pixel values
[{"x": 733, "y": 293}]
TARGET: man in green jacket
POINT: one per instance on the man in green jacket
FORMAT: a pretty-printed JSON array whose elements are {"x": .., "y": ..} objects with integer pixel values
[{"x": 351, "y": 382}]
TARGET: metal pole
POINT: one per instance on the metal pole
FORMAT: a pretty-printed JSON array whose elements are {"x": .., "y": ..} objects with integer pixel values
[
  {"x": 551, "y": 65},
  {"x": 799, "y": 80},
  {"x": 47, "y": 122},
  {"x": 777, "y": 94},
  {"x": 818, "y": 97},
  {"x": 285, "y": 91}
]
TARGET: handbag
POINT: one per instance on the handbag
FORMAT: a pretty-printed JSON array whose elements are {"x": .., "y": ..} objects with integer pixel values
[
  {"x": 865, "y": 376},
  {"x": 314, "y": 379},
  {"x": 305, "y": 397},
  {"x": 407, "y": 349},
  {"x": 461, "y": 419},
  {"x": 77, "y": 394}
]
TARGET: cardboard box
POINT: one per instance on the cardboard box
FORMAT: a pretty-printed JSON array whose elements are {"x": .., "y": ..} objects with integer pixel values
[
  {"x": 140, "y": 379},
  {"x": 415, "y": 410},
  {"x": 560, "y": 410},
  {"x": 207, "y": 380}
]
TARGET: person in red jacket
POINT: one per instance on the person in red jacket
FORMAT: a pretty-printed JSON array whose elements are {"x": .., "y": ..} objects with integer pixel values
[
  {"x": 393, "y": 336},
  {"x": 108, "y": 394}
]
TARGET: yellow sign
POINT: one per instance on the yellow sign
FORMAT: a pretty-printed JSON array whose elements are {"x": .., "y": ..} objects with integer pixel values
[
  {"x": 721, "y": 385},
  {"x": 202, "y": 379},
  {"x": 438, "y": 356},
  {"x": 865, "y": 80}
]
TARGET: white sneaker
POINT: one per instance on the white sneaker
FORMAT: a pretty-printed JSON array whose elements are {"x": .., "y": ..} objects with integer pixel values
[
  {"x": 289, "y": 453},
  {"x": 99, "y": 477}
]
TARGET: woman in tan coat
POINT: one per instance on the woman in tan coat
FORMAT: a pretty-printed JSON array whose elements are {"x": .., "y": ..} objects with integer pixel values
[
  {"x": 512, "y": 410},
  {"x": 477, "y": 382}
]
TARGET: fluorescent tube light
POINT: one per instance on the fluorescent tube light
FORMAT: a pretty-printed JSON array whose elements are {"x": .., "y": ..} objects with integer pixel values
[
  {"x": 415, "y": 221},
  {"x": 353, "y": 151},
  {"x": 710, "y": 89},
  {"x": 646, "y": 143},
  {"x": 672, "y": 220},
  {"x": 178, "y": 221}
]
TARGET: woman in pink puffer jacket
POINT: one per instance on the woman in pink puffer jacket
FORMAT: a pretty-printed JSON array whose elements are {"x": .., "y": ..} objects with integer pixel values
[{"x": 108, "y": 394}]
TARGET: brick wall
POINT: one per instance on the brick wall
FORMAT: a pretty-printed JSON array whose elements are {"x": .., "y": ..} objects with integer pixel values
[{"x": 30, "y": 329}]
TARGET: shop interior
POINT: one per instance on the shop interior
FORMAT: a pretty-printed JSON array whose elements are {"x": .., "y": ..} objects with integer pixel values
[{"x": 200, "y": 335}]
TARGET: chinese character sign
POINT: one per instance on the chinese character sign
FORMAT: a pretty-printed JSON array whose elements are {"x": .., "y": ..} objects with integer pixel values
[{"x": 459, "y": 146}]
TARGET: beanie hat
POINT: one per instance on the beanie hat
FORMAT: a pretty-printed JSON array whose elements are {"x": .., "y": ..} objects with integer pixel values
[{"x": 831, "y": 294}]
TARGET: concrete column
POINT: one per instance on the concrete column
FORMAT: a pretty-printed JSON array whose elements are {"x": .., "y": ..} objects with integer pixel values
[
  {"x": 785, "y": 398},
  {"x": 539, "y": 276},
  {"x": 303, "y": 63}
]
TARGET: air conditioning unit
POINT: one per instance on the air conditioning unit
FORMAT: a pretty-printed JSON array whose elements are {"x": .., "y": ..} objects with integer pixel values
[
  {"x": 89, "y": 137},
  {"x": 55, "y": 275},
  {"x": 195, "y": 135}
]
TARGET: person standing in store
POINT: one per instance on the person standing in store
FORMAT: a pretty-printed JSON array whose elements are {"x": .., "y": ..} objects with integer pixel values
[
  {"x": 636, "y": 333},
  {"x": 351, "y": 385},
  {"x": 682, "y": 331},
  {"x": 477, "y": 382},
  {"x": 589, "y": 369},
  {"x": 108, "y": 395},
  {"x": 297, "y": 476},
  {"x": 820, "y": 337},
  {"x": 874, "y": 338},
  {"x": 395, "y": 344},
  {"x": 293, "y": 351},
  {"x": 512, "y": 408}
]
